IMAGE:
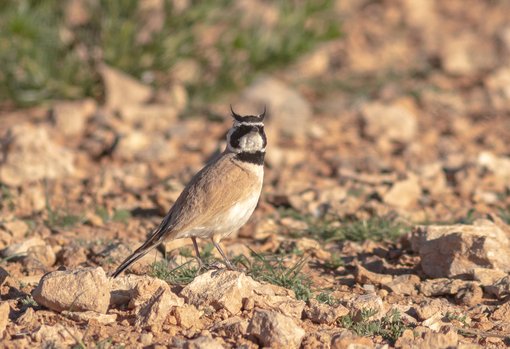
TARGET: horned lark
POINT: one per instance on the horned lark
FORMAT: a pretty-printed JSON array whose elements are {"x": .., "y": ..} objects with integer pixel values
[{"x": 221, "y": 197}]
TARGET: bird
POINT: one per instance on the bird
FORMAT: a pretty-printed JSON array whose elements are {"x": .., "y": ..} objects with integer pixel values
[{"x": 220, "y": 198}]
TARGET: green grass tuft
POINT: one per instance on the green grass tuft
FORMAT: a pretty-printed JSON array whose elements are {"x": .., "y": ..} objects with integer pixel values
[
  {"x": 337, "y": 229},
  {"x": 42, "y": 57},
  {"x": 180, "y": 275},
  {"x": 390, "y": 327},
  {"x": 272, "y": 269}
]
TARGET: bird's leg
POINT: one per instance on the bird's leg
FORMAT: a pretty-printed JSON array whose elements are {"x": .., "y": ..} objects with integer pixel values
[
  {"x": 227, "y": 262},
  {"x": 201, "y": 264}
]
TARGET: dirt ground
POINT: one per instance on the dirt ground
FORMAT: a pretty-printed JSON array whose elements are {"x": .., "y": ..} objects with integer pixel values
[{"x": 395, "y": 132}]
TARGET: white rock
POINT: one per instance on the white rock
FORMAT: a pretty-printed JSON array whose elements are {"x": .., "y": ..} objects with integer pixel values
[
  {"x": 4, "y": 316},
  {"x": 275, "y": 330},
  {"x": 395, "y": 122},
  {"x": 123, "y": 90},
  {"x": 64, "y": 336},
  {"x": 155, "y": 311},
  {"x": 498, "y": 86},
  {"x": 500, "y": 166},
  {"x": 454, "y": 250},
  {"x": 78, "y": 290},
  {"x": 22, "y": 248},
  {"x": 70, "y": 117},
  {"x": 404, "y": 194},
  {"x": 288, "y": 111},
  {"x": 222, "y": 289},
  {"x": 103, "y": 319},
  {"x": 321, "y": 313},
  {"x": 33, "y": 156}
]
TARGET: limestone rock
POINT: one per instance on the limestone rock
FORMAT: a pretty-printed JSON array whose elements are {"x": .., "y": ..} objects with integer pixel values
[
  {"x": 487, "y": 277},
  {"x": 232, "y": 327},
  {"x": 154, "y": 311},
  {"x": 367, "y": 301},
  {"x": 33, "y": 156},
  {"x": 443, "y": 287},
  {"x": 500, "y": 288},
  {"x": 103, "y": 319},
  {"x": 78, "y": 290},
  {"x": 122, "y": 89},
  {"x": 4, "y": 317},
  {"x": 70, "y": 117},
  {"x": 65, "y": 336},
  {"x": 404, "y": 284},
  {"x": 453, "y": 250},
  {"x": 321, "y": 313},
  {"x": 364, "y": 276},
  {"x": 272, "y": 297},
  {"x": 23, "y": 248},
  {"x": 136, "y": 290},
  {"x": 498, "y": 165},
  {"x": 288, "y": 110},
  {"x": 275, "y": 330},
  {"x": 188, "y": 316},
  {"x": 498, "y": 86},
  {"x": 203, "y": 342},
  {"x": 222, "y": 289},
  {"x": 394, "y": 122},
  {"x": 403, "y": 194}
]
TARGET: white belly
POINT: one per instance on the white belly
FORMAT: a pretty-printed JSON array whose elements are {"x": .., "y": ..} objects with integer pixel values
[{"x": 230, "y": 221}]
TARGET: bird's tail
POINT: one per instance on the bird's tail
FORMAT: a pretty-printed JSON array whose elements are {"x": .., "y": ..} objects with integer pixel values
[{"x": 139, "y": 253}]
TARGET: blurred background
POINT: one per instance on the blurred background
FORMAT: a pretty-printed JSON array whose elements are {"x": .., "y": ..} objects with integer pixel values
[{"x": 385, "y": 112}]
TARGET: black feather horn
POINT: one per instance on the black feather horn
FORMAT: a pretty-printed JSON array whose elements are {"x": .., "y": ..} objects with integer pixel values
[{"x": 235, "y": 115}]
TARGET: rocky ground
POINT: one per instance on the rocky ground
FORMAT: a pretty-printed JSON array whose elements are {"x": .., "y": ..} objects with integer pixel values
[{"x": 384, "y": 219}]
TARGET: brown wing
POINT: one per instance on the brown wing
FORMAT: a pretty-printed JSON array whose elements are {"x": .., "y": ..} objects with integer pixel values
[{"x": 212, "y": 191}]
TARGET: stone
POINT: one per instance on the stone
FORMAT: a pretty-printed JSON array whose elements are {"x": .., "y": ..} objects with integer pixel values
[
  {"x": 123, "y": 90},
  {"x": 23, "y": 248},
  {"x": 364, "y": 276},
  {"x": 487, "y": 277},
  {"x": 288, "y": 111},
  {"x": 369, "y": 301},
  {"x": 202, "y": 342},
  {"x": 3, "y": 275},
  {"x": 272, "y": 297},
  {"x": 232, "y": 327},
  {"x": 456, "y": 250},
  {"x": 404, "y": 194},
  {"x": 222, "y": 289},
  {"x": 137, "y": 145},
  {"x": 136, "y": 290},
  {"x": 498, "y": 87},
  {"x": 275, "y": 330},
  {"x": 443, "y": 286},
  {"x": 395, "y": 122},
  {"x": 34, "y": 156},
  {"x": 404, "y": 284},
  {"x": 431, "y": 307},
  {"x": 154, "y": 311},
  {"x": 446, "y": 338},
  {"x": 65, "y": 336},
  {"x": 78, "y": 290},
  {"x": 501, "y": 313},
  {"x": 86, "y": 316},
  {"x": 321, "y": 313},
  {"x": 347, "y": 340},
  {"x": 500, "y": 288},
  {"x": 499, "y": 165},
  {"x": 17, "y": 228},
  {"x": 70, "y": 117},
  {"x": 5, "y": 309},
  {"x": 188, "y": 316},
  {"x": 40, "y": 255}
]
